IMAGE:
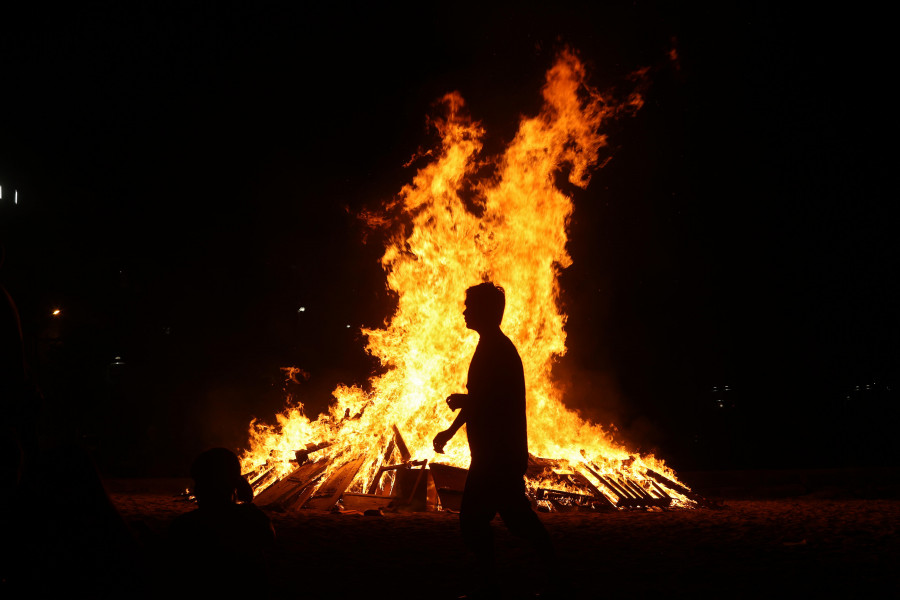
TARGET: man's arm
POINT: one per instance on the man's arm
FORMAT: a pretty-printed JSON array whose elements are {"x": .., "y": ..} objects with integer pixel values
[{"x": 454, "y": 401}]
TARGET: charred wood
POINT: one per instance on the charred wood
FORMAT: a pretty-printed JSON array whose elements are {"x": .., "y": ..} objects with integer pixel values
[
  {"x": 301, "y": 456},
  {"x": 583, "y": 481},
  {"x": 330, "y": 491},
  {"x": 401, "y": 445},
  {"x": 282, "y": 493},
  {"x": 700, "y": 500}
]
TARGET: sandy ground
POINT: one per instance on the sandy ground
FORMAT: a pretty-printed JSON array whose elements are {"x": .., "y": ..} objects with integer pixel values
[{"x": 821, "y": 542}]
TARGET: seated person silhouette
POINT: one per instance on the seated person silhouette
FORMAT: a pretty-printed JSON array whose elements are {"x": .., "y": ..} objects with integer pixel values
[
  {"x": 226, "y": 534},
  {"x": 493, "y": 411}
]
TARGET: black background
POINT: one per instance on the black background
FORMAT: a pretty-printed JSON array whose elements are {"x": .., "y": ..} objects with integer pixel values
[{"x": 189, "y": 175}]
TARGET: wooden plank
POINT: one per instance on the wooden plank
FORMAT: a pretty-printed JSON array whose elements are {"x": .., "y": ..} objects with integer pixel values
[
  {"x": 636, "y": 488},
  {"x": 273, "y": 492},
  {"x": 401, "y": 445},
  {"x": 612, "y": 484},
  {"x": 364, "y": 502},
  {"x": 616, "y": 492},
  {"x": 543, "y": 493},
  {"x": 581, "y": 479},
  {"x": 328, "y": 493},
  {"x": 256, "y": 477},
  {"x": 277, "y": 493},
  {"x": 450, "y": 500},
  {"x": 660, "y": 491},
  {"x": 298, "y": 502},
  {"x": 626, "y": 497},
  {"x": 422, "y": 470},
  {"x": 702, "y": 501},
  {"x": 447, "y": 477},
  {"x": 301, "y": 456},
  {"x": 649, "y": 498},
  {"x": 301, "y": 493},
  {"x": 387, "y": 456}
]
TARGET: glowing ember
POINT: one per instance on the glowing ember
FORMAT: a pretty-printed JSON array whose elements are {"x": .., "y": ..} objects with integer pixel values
[{"x": 514, "y": 234}]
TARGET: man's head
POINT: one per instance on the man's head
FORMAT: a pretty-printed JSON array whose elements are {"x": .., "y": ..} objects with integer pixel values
[
  {"x": 484, "y": 307},
  {"x": 218, "y": 480}
]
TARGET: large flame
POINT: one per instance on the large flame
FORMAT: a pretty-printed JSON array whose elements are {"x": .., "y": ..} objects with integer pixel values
[{"x": 512, "y": 233}]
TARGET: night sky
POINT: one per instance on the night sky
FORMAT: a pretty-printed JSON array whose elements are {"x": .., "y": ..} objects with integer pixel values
[{"x": 188, "y": 177}]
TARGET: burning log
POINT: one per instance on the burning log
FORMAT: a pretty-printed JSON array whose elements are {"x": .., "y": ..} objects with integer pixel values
[
  {"x": 330, "y": 492},
  {"x": 387, "y": 455},
  {"x": 364, "y": 502},
  {"x": 630, "y": 494},
  {"x": 301, "y": 456},
  {"x": 401, "y": 445},
  {"x": 564, "y": 501},
  {"x": 284, "y": 493},
  {"x": 662, "y": 493},
  {"x": 259, "y": 478},
  {"x": 700, "y": 500},
  {"x": 598, "y": 498}
]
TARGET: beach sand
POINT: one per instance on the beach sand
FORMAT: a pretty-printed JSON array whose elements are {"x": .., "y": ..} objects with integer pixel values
[{"x": 824, "y": 541}]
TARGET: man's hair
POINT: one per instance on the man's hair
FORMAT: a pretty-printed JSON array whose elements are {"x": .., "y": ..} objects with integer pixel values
[{"x": 488, "y": 299}]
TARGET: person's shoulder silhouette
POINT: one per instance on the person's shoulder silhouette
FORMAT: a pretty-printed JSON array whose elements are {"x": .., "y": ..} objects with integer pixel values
[{"x": 226, "y": 531}]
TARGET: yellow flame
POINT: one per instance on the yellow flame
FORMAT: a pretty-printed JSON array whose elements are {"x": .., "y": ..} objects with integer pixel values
[{"x": 514, "y": 234}]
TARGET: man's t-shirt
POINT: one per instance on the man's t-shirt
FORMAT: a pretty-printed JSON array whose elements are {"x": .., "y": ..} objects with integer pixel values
[{"x": 495, "y": 419}]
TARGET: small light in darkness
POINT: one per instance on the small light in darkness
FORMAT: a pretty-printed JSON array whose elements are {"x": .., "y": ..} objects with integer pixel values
[
  {"x": 301, "y": 309},
  {"x": 348, "y": 327},
  {"x": 16, "y": 200},
  {"x": 56, "y": 312}
]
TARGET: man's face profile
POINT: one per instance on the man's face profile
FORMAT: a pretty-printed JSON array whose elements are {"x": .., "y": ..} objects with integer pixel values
[
  {"x": 468, "y": 315},
  {"x": 475, "y": 315}
]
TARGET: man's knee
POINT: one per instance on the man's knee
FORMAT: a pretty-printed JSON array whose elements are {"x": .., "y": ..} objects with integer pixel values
[{"x": 524, "y": 523}]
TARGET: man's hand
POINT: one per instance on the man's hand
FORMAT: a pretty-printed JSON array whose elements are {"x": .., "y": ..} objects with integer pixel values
[
  {"x": 457, "y": 401},
  {"x": 440, "y": 440}
]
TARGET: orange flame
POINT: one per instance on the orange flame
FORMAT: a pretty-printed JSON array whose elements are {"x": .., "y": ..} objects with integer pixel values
[{"x": 514, "y": 234}]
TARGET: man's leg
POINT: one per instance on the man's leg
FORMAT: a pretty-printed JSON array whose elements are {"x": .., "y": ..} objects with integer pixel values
[
  {"x": 475, "y": 517},
  {"x": 523, "y": 522}
]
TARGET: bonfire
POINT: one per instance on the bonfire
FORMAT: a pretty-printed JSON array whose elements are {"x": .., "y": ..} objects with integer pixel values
[{"x": 453, "y": 227}]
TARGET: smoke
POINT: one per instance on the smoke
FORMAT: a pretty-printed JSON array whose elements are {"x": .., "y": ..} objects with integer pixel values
[{"x": 597, "y": 395}]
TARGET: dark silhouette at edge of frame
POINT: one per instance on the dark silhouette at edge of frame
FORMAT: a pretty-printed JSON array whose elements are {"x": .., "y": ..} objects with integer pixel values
[
  {"x": 493, "y": 410},
  {"x": 61, "y": 532}
]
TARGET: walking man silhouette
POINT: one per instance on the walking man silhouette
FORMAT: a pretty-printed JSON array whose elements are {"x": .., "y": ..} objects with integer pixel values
[{"x": 493, "y": 411}]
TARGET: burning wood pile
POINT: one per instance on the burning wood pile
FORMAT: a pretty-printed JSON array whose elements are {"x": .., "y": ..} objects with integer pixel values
[
  {"x": 510, "y": 229},
  {"x": 418, "y": 486}
]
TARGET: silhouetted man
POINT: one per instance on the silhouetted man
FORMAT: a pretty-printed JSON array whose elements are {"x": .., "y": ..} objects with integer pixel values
[
  {"x": 493, "y": 411},
  {"x": 223, "y": 539}
]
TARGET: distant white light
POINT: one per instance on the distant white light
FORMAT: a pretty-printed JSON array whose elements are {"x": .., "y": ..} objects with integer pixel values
[
  {"x": 56, "y": 312},
  {"x": 16, "y": 200},
  {"x": 348, "y": 327},
  {"x": 1, "y": 192},
  {"x": 301, "y": 309}
]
